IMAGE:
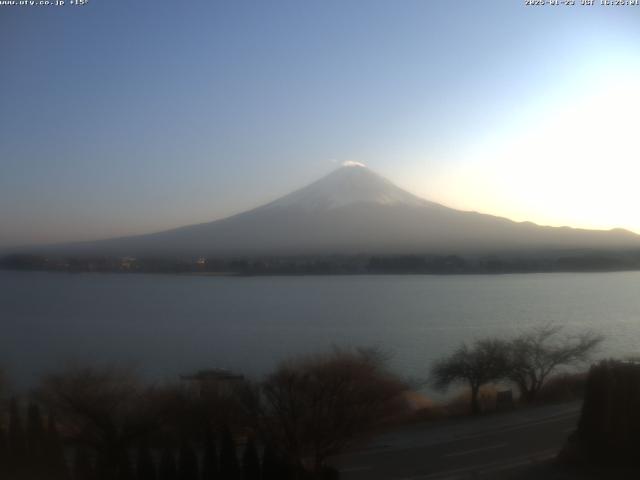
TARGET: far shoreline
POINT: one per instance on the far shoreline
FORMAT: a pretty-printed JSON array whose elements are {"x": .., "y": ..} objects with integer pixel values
[{"x": 311, "y": 274}]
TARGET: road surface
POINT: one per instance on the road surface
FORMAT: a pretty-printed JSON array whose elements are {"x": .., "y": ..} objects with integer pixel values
[{"x": 463, "y": 449}]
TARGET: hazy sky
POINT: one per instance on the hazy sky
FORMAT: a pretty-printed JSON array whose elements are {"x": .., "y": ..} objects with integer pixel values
[{"x": 123, "y": 117}]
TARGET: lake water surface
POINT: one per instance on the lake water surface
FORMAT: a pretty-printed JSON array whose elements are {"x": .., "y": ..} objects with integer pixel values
[{"x": 167, "y": 325}]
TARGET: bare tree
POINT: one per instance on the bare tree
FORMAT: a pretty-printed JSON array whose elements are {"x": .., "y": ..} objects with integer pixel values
[
  {"x": 105, "y": 409},
  {"x": 318, "y": 406},
  {"x": 484, "y": 362},
  {"x": 536, "y": 354}
]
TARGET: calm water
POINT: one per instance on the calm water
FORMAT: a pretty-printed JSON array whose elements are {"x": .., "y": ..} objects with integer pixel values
[{"x": 166, "y": 325}]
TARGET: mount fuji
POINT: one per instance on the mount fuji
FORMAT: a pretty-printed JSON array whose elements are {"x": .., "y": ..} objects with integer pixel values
[{"x": 353, "y": 210}]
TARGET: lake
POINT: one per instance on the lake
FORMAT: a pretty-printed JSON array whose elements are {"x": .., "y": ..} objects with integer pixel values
[{"x": 168, "y": 325}]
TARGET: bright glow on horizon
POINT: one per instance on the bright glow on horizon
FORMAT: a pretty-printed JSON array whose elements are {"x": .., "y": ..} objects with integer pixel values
[{"x": 575, "y": 163}]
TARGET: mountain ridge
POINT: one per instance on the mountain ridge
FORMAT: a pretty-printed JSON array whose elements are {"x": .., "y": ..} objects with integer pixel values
[{"x": 353, "y": 210}]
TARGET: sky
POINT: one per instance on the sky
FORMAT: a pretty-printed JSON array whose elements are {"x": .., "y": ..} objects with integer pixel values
[{"x": 121, "y": 117}]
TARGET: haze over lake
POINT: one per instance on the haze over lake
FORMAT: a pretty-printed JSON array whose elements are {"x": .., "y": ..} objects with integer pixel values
[{"x": 167, "y": 325}]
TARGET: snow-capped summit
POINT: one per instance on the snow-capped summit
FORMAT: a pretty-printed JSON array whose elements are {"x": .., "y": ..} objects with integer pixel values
[{"x": 352, "y": 183}]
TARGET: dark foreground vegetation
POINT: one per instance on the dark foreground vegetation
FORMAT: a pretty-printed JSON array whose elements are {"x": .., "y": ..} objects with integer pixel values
[
  {"x": 98, "y": 423},
  {"x": 609, "y": 426},
  {"x": 104, "y": 424},
  {"x": 336, "y": 264}
]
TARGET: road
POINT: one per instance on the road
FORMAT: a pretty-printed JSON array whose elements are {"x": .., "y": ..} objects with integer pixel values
[{"x": 462, "y": 449}]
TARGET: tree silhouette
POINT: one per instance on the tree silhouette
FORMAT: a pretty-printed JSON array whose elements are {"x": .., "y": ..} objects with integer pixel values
[
  {"x": 4, "y": 453},
  {"x": 83, "y": 467},
  {"x": 250, "y": 462},
  {"x": 229, "y": 469},
  {"x": 187, "y": 462},
  {"x": 607, "y": 433},
  {"x": 35, "y": 437},
  {"x": 209, "y": 457},
  {"x": 125, "y": 469},
  {"x": 273, "y": 465},
  {"x": 145, "y": 466},
  {"x": 538, "y": 353},
  {"x": 54, "y": 451},
  {"x": 17, "y": 443},
  {"x": 167, "y": 470},
  {"x": 107, "y": 409},
  {"x": 485, "y": 361},
  {"x": 318, "y": 405}
]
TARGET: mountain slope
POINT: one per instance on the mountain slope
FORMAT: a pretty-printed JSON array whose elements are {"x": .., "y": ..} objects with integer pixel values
[
  {"x": 354, "y": 210},
  {"x": 348, "y": 185}
]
